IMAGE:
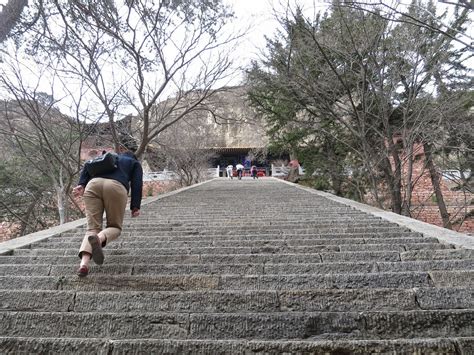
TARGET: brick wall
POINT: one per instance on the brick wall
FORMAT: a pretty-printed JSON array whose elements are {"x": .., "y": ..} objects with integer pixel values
[
  {"x": 423, "y": 202},
  {"x": 8, "y": 230}
]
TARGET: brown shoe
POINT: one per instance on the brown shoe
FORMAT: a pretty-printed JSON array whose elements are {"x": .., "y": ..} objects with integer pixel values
[
  {"x": 83, "y": 271},
  {"x": 97, "y": 253}
]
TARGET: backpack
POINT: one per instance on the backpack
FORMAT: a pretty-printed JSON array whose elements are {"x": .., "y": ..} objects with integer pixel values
[{"x": 103, "y": 164}]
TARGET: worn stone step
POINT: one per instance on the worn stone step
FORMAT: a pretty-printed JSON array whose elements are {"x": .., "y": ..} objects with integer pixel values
[
  {"x": 437, "y": 254},
  {"x": 144, "y": 242},
  {"x": 283, "y": 325},
  {"x": 136, "y": 268},
  {"x": 286, "y": 230},
  {"x": 36, "y": 257},
  {"x": 362, "y": 267},
  {"x": 314, "y": 300},
  {"x": 264, "y": 249},
  {"x": 192, "y": 237},
  {"x": 262, "y": 225},
  {"x": 62, "y": 345},
  {"x": 173, "y": 282},
  {"x": 304, "y": 247},
  {"x": 217, "y": 220},
  {"x": 458, "y": 346},
  {"x": 165, "y": 214},
  {"x": 448, "y": 346},
  {"x": 255, "y": 222},
  {"x": 270, "y": 260},
  {"x": 193, "y": 250},
  {"x": 267, "y": 229},
  {"x": 291, "y": 212}
]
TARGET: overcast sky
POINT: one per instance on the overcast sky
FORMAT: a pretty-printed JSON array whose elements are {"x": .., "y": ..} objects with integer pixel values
[{"x": 258, "y": 17}]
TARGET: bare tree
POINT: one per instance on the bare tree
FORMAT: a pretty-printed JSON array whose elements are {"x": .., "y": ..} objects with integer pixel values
[
  {"x": 42, "y": 143},
  {"x": 138, "y": 54},
  {"x": 191, "y": 158}
]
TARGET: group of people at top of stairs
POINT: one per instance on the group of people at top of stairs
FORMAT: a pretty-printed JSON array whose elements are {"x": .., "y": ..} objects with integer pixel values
[
  {"x": 240, "y": 171},
  {"x": 108, "y": 191}
]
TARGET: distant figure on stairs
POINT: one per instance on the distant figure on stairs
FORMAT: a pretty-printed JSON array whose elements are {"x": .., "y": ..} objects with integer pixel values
[
  {"x": 253, "y": 172},
  {"x": 108, "y": 192},
  {"x": 229, "y": 170},
  {"x": 240, "y": 170}
]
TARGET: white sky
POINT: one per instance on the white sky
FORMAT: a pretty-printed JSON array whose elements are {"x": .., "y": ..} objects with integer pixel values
[{"x": 258, "y": 17}]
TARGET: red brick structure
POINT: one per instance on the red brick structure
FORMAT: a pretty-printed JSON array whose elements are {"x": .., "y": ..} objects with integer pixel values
[
  {"x": 460, "y": 204},
  {"x": 8, "y": 231}
]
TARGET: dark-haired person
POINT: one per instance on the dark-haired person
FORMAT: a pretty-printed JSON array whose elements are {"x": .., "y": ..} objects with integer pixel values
[
  {"x": 254, "y": 172},
  {"x": 240, "y": 170},
  {"x": 108, "y": 192}
]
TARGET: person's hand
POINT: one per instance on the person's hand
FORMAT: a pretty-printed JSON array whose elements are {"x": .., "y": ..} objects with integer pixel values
[
  {"x": 78, "y": 191},
  {"x": 135, "y": 212}
]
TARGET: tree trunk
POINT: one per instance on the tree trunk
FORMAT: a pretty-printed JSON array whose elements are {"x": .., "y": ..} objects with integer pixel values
[
  {"x": 374, "y": 185},
  {"x": 435, "y": 178},
  {"x": 408, "y": 183},
  {"x": 334, "y": 172},
  {"x": 60, "y": 200},
  {"x": 61, "y": 196},
  {"x": 393, "y": 185},
  {"x": 9, "y": 16},
  {"x": 397, "y": 178}
]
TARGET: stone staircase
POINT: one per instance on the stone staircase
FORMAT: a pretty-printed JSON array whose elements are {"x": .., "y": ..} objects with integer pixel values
[{"x": 242, "y": 267}]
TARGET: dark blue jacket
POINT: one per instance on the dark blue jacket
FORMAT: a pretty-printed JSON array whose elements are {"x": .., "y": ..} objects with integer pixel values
[{"x": 129, "y": 173}]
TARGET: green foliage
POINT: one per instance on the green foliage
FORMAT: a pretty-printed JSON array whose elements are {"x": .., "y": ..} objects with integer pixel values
[{"x": 339, "y": 90}]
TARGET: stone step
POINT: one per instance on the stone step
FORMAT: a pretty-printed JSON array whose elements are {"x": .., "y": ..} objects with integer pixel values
[
  {"x": 373, "y": 256},
  {"x": 282, "y": 325},
  {"x": 62, "y": 345},
  {"x": 289, "y": 230},
  {"x": 191, "y": 250},
  {"x": 258, "y": 223},
  {"x": 136, "y": 268},
  {"x": 441, "y": 345},
  {"x": 151, "y": 242},
  {"x": 291, "y": 213},
  {"x": 342, "y": 228},
  {"x": 37, "y": 256},
  {"x": 217, "y": 219},
  {"x": 438, "y": 254},
  {"x": 304, "y": 249},
  {"x": 194, "y": 282},
  {"x": 254, "y": 217},
  {"x": 197, "y": 236},
  {"x": 291, "y": 208},
  {"x": 314, "y": 300}
]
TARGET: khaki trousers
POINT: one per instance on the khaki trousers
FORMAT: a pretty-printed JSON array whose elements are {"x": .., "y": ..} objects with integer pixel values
[{"x": 103, "y": 195}]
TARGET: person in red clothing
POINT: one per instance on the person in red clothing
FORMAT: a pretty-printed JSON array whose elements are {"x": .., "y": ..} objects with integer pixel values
[
  {"x": 108, "y": 192},
  {"x": 253, "y": 172}
]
